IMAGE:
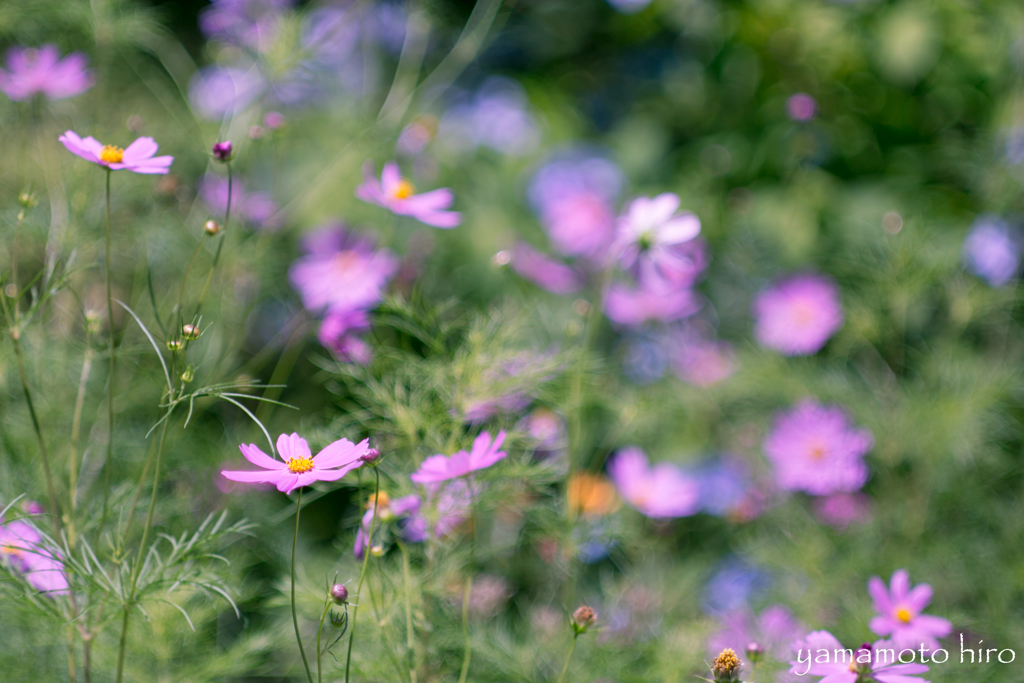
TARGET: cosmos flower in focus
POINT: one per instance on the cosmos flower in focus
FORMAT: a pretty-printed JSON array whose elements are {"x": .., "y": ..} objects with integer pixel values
[
  {"x": 397, "y": 195},
  {"x": 137, "y": 157},
  {"x": 992, "y": 251},
  {"x": 32, "y": 71},
  {"x": 899, "y": 610},
  {"x": 797, "y": 315},
  {"x": 438, "y": 468},
  {"x": 22, "y": 550},
  {"x": 299, "y": 467},
  {"x": 663, "y": 491},
  {"x": 813, "y": 448},
  {"x": 868, "y": 663}
]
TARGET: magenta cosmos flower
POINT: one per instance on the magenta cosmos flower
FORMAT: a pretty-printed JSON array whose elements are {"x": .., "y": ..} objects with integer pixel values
[
  {"x": 796, "y": 316},
  {"x": 814, "y": 449},
  {"x": 821, "y": 654},
  {"x": 652, "y": 228},
  {"x": 899, "y": 613},
  {"x": 299, "y": 467},
  {"x": 21, "y": 548},
  {"x": 660, "y": 492},
  {"x": 32, "y": 72},
  {"x": 137, "y": 157},
  {"x": 631, "y": 306},
  {"x": 397, "y": 195},
  {"x": 438, "y": 468}
]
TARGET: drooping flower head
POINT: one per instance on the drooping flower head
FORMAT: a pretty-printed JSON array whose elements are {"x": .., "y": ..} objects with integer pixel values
[
  {"x": 438, "y": 468},
  {"x": 651, "y": 230},
  {"x": 32, "y": 71},
  {"x": 877, "y": 663},
  {"x": 663, "y": 491},
  {"x": 22, "y": 549},
  {"x": 797, "y": 315},
  {"x": 775, "y": 630},
  {"x": 222, "y": 151},
  {"x": 813, "y": 448},
  {"x": 137, "y": 157},
  {"x": 298, "y": 466},
  {"x": 899, "y": 610},
  {"x": 992, "y": 251},
  {"x": 397, "y": 195}
]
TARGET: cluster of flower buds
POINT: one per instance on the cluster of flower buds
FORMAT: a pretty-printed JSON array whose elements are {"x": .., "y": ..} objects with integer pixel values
[
  {"x": 726, "y": 667},
  {"x": 582, "y": 619}
]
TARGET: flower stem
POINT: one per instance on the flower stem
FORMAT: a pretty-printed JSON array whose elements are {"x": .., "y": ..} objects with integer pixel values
[
  {"x": 220, "y": 245},
  {"x": 568, "y": 657},
  {"x": 362, "y": 575},
  {"x": 409, "y": 632},
  {"x": 469, "y": 587},
  {"x": 110, "y": 374},
  {"x": 319, "y": 630},
  {"x": 76, "y": 426},
  {"x": 295, "y": 617}
]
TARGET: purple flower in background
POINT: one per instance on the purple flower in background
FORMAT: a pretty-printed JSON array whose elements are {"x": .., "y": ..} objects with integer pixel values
[
  {"x": 725, "y": 485},
  {"x": 255, "y": 208},
  {"x": 628, "y": 305},
  {"x": 644, "y": 358},
  {"x": 801, "y": 107},
  {"x": 899, "y": 610},
  {"x": 341, "y": 271},
  {"x": 507, "y": 385},
  {"x": 247, "y": 23},
  {"x": 438, "y": 468},
  {"x": 340, "y": 332},
  {"x": 700, "y": 361},
  {"x": 840, "y": 510},
  {"x": 775, "y": 629},
  {"x": 797, "y": 315},
  {"x": 496, "y": 116},
  {"x": 400, "y": 511},
  {"x": 216, "y": 91},
  {"x": 137, "y": 157},
  {"x": 992, "y": 251},
  {"x": 487, "y": 595},
  {"x": 415, "y": 137},
  {"x": 299, "y": 467},
  {"x": 663, "y": 491},
  {"x": 574, "y": 194},
  {"x": 651, "y": 229},
  {"x": 867, "y": 664},
  {"x": 677, "y": 265},
  {"x": 31, "y": 71},
  {"x": 397, "y": 195},
  {"x": 22, "y": 549},
  {"x": 814, "y": 449},
  {"x": 732, "y": 586},
  {"x": 548, "y": 429},
  {"x": 545, "y": 272}
]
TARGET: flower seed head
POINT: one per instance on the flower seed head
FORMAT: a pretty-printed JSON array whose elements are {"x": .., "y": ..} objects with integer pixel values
[
  {"x": 222, "y": 151},
  {"x": 339, "y": 594},
  {"x": 211, "y": 227},
  {"x": 726, "y": 667},
  {"x": 583, "y": 618}
]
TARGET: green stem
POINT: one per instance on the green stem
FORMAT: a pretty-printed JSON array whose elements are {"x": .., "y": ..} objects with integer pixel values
[
  {"x": 76, "y": 426},
  {"x": 469, "y": 586},
  {"x": 220, "y": 245},
  {"x": 110, "y": 378},
  {"x": 319, "y": 630},
  {"x": 565, "y": 668},
  {"x": 295, "y": 617},
  {"x": 362, "y": 575},
  {"x": 409, "y": 632}
]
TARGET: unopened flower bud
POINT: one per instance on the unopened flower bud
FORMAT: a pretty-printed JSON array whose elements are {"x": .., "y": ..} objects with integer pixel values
[
  {"x": 222, "y": 151},
  {"x": 377, "y": 551},
  {"x": 188, "y": 375},
  {"x": 726, "y": 667},
  {"x": 211, "y": 227},
  {"x": 175, "y": 345},
  {"x": 583, "y": 618},
  {"x": 190, "y": 331},
  {"x": 339, "y": 594},
  {"x": 370, "y": 457},
  {"x": 27, "y": 199},
  {"x": 754, "y": 652},
  {"x": 92, "y": 321}
]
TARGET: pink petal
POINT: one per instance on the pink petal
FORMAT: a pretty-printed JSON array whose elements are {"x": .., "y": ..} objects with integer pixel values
[
  {"x": 156, "y": 165},
  {"x": 336, "y": 474},
  {"x": 883, "y": 626},
  {"x": 680, "y": 229},
  {"x": 937, "y": 626},
  {"x": 880, "y": 595},
  {"x": 141, "y": 149},
  {"x": 292, "y": 446},
  {"x": 434, "y": 469},
  {"x": 287, "y": 484},
  {"x": 259, "y": 458},
  {"x": 431, "y": 201},
  {"x": 264, "y": 477},
  {"x": 390, "y": 177},
  {"x": 370, "y": 190},
  {"x": 437, "y": 219},
  {"x": 341, "y": 452},
  {"x": 919, "y": 597},
  {"x": 900, "y": 585}
]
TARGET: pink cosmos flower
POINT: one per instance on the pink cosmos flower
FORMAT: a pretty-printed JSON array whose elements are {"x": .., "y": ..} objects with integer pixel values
[
  {"x": 438, "y": 468},
  {"x": 796, "y": 316},
  {"x": 41, "y": 71},
  {"x": 137, "y": 157},
  {"x": 775, "y": 630},
  {"x": 877, "y": 663},
  {"x": 628, "y": 305},
  {"x": 21, "y": 548},
  {"x": 651, "y": 229},
  {"x": 339, "y": 332},
  {"x": 899, "y": 613},
  {"x": 814, "y": 449},
  {"x": 663, "y": 491},
  {"x": 700, "y": 361},
  {"x": 544, "y": 271},
  {"x": 396, "y": 194},
  {"x": 299, "y": 467}
]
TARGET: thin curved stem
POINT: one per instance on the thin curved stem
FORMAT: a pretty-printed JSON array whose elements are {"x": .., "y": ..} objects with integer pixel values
[
  {"x": 319, "y": 630},
  {"x": 220, "y": 246},
  {"x": 295, "y": 617},
  {"x": 469, "y": 587},
  {"x": 409, "y": 632},
  {"x": 565, "y": 668},
  {"x": 76, "y": 426},
  {"x": 113, "y": 365},
  {"x": 362, "y": 575}
]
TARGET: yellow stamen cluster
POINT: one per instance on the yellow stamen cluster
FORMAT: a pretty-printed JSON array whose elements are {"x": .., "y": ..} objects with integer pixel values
[
  {"x": 300, "y": 465},
  {"x": 403, "y": 190},
  {"x": 726, "y": 666},
  {"x": 903, "y": 614},
  {"x": 111, "y": 154}
]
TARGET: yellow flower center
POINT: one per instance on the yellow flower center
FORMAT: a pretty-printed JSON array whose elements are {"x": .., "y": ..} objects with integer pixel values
[
  {"x": 403, "y": 190},
  {"x": 11, "y": 550},
  {"x": 300, "y": 465},
  {"x": 111, "y": 154},
  {"x": 903, "y": 615},
  {"x": 817, "y": 451},
  {"x": 382, "y": 499}
]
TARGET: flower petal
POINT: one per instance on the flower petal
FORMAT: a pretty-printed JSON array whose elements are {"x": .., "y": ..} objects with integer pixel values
[
  {"x": 142, "y": 148},
  {"x": 264, "y": 477},
  {"x": 341, "y": 452},
  {"x": 880, "y": 595},
  {"x": 291, "y": 446},
  {"x": 259, "y": 458}
]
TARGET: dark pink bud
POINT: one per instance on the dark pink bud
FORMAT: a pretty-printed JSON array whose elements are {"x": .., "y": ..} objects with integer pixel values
[
  {"x": 222, "y": 151},
  {"x": 370, "y": 457},
  {"x": 339, "y": 594}
]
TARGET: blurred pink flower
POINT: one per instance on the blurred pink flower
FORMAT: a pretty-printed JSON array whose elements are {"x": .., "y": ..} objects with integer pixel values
[
  {"x": 840, "y": 510},
  {"x": 32, "y": 71},
  {"x": 256, "y": 208},
  {"x": 651, "y": 228},
  {"x": 867, "y": 664},
  {"x": 22, "y": 549},
  {"x": 339, "y": 332},
  {"x": 814, "y": 449},
  {"x": 699, "y": 361},
  {"x": 544, "y": 271},
  {"x": 631, "y": 305},
  {"x": 438, "y": 468},
  {"x": 396, "y": 194},
  {"x": 299, "y": 468},
  {"x": 899, "y": 610},
  {"x": 797, "y": 315},
  {"x": 801, "y": 107},
  {"x": 775, "y": 630},
  {"x": 663, "y": 491},
  {"x": 402, "y": 511},
  {"x": 137, "y": 157}
]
